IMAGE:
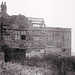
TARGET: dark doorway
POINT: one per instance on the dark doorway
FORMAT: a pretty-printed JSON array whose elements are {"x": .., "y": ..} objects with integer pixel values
[
  {"x": 8, "y": 55},
  {"x": 15, "y": 54},
  {"x": 19, "y": 54}
]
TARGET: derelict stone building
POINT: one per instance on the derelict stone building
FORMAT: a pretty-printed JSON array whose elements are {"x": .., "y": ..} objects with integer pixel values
[{"x": 27, "y": 36}]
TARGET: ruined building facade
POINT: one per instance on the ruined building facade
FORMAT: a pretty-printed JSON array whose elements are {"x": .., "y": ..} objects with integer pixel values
[{"x": 27, "y": 36}]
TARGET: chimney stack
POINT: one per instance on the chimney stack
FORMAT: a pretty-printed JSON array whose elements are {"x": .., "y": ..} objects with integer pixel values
[
  {"x": 3, "y": 7},
  {"x": 4, "y": 3}
]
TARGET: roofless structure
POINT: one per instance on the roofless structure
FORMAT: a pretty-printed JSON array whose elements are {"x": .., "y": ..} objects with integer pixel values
[{"x": 29, "y": 36}]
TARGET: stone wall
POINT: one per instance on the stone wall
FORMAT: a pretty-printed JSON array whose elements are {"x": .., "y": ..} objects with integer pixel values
[{"x": 51, "y": 40}]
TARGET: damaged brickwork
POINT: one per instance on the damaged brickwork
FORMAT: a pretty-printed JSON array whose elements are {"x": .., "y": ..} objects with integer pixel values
[{"x": 32, "y": 37}]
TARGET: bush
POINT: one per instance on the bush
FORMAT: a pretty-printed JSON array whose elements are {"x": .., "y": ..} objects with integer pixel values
[
  {"x": 59, "y": 65},
  {"x": 50, "y": 64}
]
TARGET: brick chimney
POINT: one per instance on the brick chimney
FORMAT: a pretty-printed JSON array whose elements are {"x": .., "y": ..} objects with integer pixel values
[{"x": 3, "y": 7}]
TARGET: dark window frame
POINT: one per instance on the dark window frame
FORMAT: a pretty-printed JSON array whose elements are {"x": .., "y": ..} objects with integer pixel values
[{"x": 23, "y": 37}]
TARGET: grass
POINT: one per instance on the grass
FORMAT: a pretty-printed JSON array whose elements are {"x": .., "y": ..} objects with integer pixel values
[{"x": 48, "y": 65}]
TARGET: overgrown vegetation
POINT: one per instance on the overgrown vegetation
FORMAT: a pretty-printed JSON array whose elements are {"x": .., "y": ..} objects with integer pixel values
[
  {"x": 59, "y": 65},
  {"x": 49, "y": 65}
]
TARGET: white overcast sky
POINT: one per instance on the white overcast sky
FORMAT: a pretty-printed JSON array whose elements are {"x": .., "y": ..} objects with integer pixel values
[{"x": 56, "y": 13}]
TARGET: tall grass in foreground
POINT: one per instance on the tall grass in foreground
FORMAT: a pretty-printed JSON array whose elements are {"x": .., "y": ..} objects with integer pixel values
[
  {"x": 59, "y": 65},
  {"x": 54, "y": 64}
]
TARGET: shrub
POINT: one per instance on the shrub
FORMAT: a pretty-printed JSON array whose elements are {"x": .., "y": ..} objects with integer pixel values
[{"x": 50, "y": 64}]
